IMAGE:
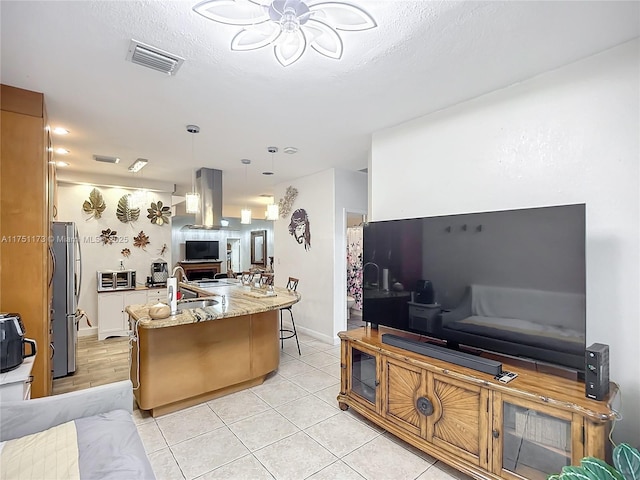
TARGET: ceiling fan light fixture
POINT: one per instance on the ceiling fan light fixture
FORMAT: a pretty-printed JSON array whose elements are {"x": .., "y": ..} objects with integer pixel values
[{"x": 289, "y": 25}]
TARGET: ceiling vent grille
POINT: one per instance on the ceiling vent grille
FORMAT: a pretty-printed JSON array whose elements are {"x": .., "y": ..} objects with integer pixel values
[
  {"x": 106, "y": 159},
  {"x": 154, "y": 58}
]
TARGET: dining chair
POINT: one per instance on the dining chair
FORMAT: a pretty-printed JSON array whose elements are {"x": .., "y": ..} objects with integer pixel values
[{"x": 292, "y": 285}]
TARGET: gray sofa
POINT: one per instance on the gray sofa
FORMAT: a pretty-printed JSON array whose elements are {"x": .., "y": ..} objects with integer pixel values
[{"x": 108, "y": 445}]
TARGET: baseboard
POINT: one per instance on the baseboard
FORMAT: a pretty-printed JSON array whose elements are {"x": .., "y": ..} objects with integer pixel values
[
  {"x": 87, "y": 332},
  {"x": 318, "y": 336}
]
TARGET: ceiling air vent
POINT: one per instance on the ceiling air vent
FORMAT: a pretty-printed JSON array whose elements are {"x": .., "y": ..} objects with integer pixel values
[
  {"x": 106, "y": 159},
  {"x": 153, "y": 57}
]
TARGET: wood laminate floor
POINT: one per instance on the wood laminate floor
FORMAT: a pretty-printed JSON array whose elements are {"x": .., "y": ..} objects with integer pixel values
[{"x": 97, "y": 363}]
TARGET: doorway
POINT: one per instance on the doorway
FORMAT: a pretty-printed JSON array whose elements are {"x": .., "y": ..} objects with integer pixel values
[
  {"x": 233, "y": 255},
  {"x": 354, "y": 222}
]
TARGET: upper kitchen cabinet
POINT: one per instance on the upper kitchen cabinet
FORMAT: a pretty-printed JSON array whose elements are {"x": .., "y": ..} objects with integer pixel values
[{"x": 26, "y": 193}]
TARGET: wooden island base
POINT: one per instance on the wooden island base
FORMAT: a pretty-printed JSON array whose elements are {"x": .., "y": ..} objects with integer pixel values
[{"x": 188, "y": 364}]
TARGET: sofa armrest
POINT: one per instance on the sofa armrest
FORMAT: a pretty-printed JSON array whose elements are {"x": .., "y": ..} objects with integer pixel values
[
  {"x": 460, "y": 311},
  {"x": 22, "y": 418}
]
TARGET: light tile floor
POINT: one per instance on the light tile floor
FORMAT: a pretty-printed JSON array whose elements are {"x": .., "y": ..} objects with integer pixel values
[{"x": 290, "y": 427}]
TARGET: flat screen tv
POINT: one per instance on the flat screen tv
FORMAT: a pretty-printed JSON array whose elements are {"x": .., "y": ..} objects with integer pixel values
[
  {"x": 201, "y": 250},
  {"x": 510, "y": 282}
]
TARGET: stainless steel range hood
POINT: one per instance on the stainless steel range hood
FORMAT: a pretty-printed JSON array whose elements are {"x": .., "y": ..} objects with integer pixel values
[{"x": 209, "y": 187}]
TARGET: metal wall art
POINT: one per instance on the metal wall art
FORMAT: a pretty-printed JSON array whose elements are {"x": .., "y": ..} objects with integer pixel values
[
  {"x": 158, "y": 213},
  {"x": 285, "y": 204},
  {"x": 95, "y": 205},
  {"x": 108, "y": 236},
  {"x": 125, "y": 252},
  {"x": 141, "y": 240},
  {"x": 299, "y": 228},
  {"x": 124, "y": 211}
]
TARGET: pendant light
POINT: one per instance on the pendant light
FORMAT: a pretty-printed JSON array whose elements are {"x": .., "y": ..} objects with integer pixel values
[
  {"x": 272, "y": 209},
  {"x": 192, "y": 199},
  {"x": 245, "y": 213}
]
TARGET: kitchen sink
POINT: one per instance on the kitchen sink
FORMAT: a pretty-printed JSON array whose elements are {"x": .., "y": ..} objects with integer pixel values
[{"x": 196, "y": 303}]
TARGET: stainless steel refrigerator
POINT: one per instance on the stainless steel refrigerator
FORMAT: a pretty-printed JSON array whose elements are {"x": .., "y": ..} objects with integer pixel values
[{"x": 67, "y": 281}]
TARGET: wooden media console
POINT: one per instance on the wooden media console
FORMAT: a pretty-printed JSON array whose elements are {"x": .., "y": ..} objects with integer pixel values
[{"x": 528, "y": 428}]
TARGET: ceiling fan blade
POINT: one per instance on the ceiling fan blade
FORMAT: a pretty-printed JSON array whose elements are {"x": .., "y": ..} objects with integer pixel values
[
  {"x": 255, "y": 36},
  {"x": 290, "y": 47},
  {"x": 232, "y": 12},
  {"x": 324, "y": 39},
  {"x": 342, "y": 16}
]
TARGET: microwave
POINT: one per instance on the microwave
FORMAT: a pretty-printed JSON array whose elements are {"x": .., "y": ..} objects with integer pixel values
[{"x": 109, "y": 280}]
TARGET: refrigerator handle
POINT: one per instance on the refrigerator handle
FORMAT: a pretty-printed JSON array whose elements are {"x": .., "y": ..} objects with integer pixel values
[
  {"x": 79, "y": 284},
  {"x": 52, "y": 256}
]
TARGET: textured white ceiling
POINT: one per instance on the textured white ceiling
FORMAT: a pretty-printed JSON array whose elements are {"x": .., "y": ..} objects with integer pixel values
[{"x": 424, "y": 56}]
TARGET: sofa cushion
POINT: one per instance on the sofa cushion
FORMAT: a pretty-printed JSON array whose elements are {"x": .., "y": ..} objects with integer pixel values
[{"x": 104, "y": 446}]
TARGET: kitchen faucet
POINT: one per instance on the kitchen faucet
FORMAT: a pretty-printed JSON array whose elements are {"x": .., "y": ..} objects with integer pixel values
[
  {"x": 377, "y": 272},
  {"x": 183, "y": 276}
]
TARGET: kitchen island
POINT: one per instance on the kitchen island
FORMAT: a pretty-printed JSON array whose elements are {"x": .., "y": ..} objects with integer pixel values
[{"x": 203, "y": 353}]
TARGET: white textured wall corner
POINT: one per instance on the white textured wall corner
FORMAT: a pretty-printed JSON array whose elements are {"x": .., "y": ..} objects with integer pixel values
[{"x": 568, "y": 136}]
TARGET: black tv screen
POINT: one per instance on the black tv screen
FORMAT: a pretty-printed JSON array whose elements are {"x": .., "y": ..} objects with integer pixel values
[
  {"x": 201, "y": 250},
  {"x": 511, "y": 282}
]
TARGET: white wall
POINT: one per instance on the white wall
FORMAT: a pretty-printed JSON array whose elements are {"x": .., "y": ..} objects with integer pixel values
[
  {"x": 95, "y": 255},
  {"x": 568, "y": 136},
  {"x": 314, "y": 267},
  {"x": 322, "y": 269}
]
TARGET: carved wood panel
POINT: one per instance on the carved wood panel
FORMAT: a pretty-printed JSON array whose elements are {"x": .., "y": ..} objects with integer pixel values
[
  {"x": 404, "y": 384},
  {"x": 460, "y": 421}
]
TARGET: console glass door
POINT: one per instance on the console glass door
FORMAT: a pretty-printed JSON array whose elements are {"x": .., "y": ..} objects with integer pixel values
[
  {"x": 535, "y": 444},
  {"x": 363, "y": 375}
]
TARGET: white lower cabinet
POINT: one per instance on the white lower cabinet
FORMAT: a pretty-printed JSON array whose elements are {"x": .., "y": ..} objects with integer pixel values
[
  {"x": 113, "y": 321},
  {"x": 15, "y": 384},
  {"x": 156, "y": 295}
]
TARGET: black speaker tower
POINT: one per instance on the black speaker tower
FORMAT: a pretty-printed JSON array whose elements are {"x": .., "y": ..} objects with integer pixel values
[{"x": 596, "y": 375}]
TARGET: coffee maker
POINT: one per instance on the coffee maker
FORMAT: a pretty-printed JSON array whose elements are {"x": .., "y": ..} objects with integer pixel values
[{"x": 159, "y": 273}]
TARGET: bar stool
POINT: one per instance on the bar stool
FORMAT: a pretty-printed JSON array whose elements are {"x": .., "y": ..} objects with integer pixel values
[
  {"x": 266, "y": 279},
  {"x": 246, "y": 278},
  {"x": 285, "y": 333}
]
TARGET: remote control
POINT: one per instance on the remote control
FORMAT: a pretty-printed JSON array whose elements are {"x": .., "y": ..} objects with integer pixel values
[{"x": 506, "y": 377}]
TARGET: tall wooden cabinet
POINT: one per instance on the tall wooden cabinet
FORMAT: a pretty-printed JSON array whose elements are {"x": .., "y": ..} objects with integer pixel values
[
  {"x": 26, "y": 211},
  {"x": 526, "y": 429}
]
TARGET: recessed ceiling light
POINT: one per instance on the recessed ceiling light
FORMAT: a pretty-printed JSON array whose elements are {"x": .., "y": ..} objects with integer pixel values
[
  {"x": 138, "y": 165},
  {"x": 60, "y": 131},
  {"x": 106, "y": 159},
  {"x": 60, "y": 163},
  {"x": 290, "y": 150},
  {"x": 61, "y": 151}
]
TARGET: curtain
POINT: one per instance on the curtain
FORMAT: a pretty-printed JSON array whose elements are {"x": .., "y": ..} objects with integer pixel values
[{"x": 354, "y": 264}]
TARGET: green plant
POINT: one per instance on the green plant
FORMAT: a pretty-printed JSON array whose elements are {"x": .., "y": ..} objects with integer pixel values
[{"x": 625, "y": 458}]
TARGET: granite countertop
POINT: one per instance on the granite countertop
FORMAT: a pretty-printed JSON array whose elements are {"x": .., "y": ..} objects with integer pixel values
[{"x": 239, "y": 301}]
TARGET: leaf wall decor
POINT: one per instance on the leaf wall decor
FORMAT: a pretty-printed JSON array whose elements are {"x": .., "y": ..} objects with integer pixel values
[
  {"x": 95, "y": 205},
  {"x": 108, "y": 236},
  {"x": 158, "y": 213},
  {"x": 124, "y": 211},
  {"x": 141, "y": 240}
]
